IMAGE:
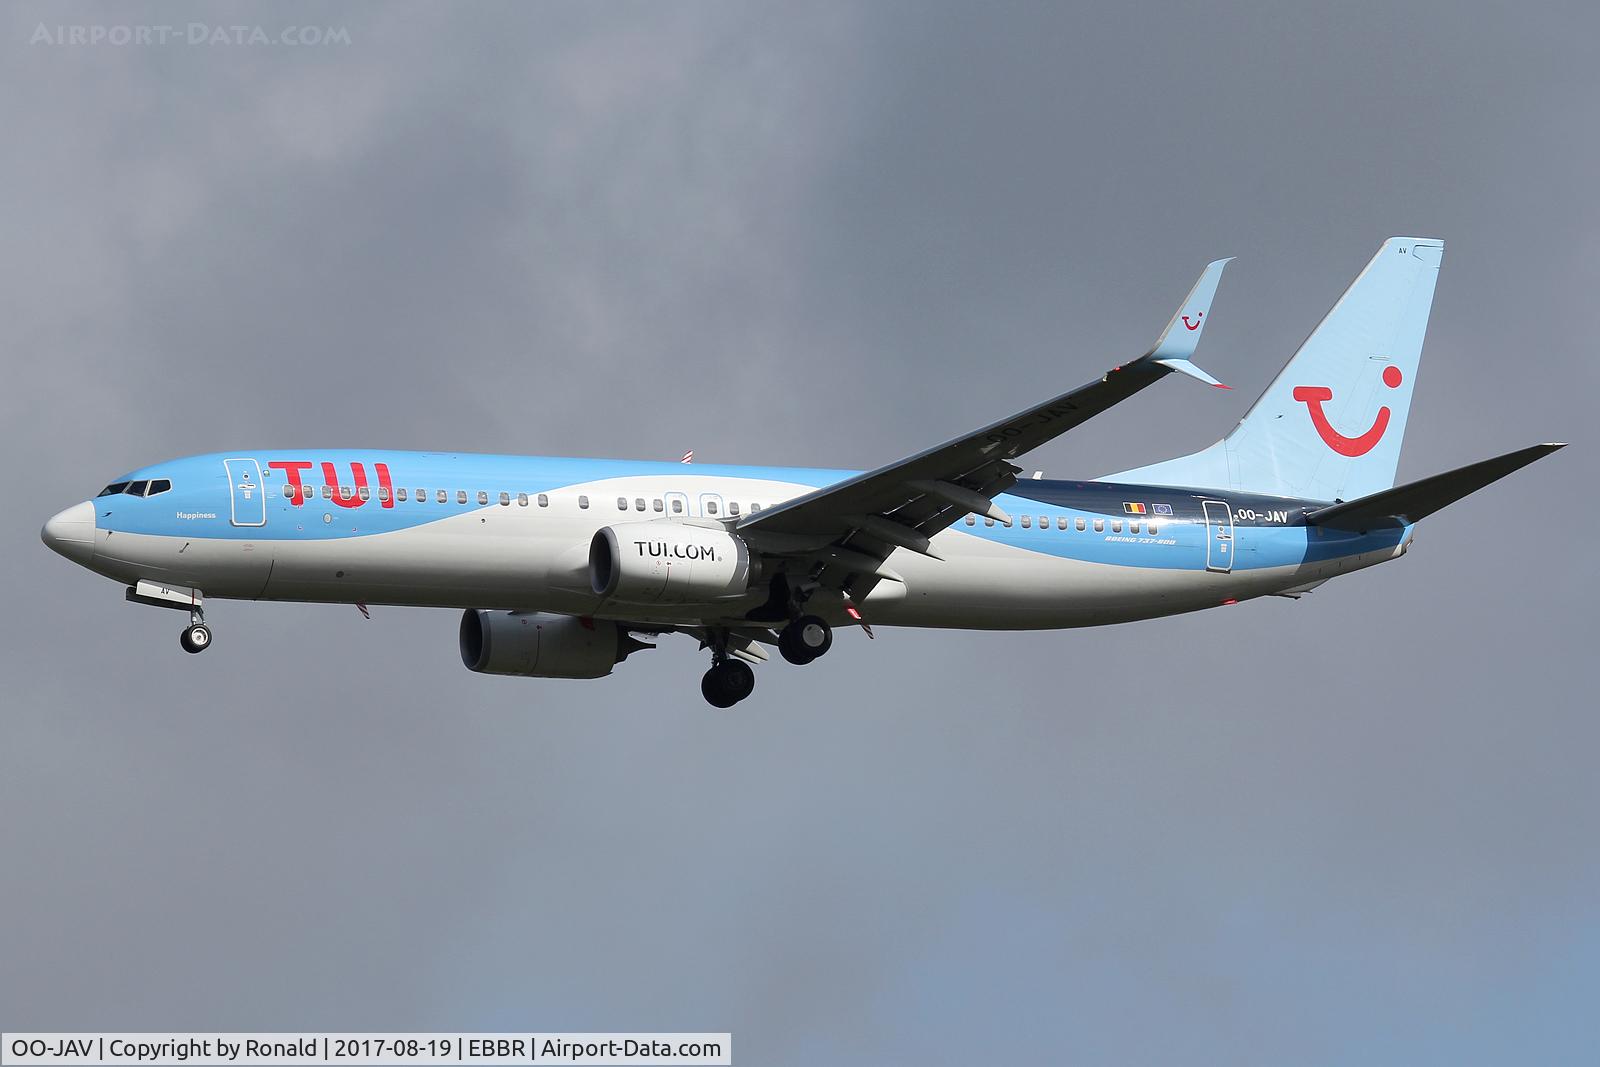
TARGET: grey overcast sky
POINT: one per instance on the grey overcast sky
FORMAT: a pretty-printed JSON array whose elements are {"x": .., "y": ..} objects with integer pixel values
[{"x": 1357, "y": 828}]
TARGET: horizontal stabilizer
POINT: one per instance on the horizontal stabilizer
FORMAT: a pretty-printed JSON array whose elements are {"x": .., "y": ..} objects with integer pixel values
[{"x": 1413, "y": 502}]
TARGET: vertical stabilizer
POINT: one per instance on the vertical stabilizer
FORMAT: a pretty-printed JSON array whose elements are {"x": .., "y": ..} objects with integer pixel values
[{"x": 1330, "y": 425}]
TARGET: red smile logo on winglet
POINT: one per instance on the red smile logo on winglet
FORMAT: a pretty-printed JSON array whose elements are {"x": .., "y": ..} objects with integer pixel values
[
  {"x": 1312, "y": 396},
  {"x": 1191, "y": 327}
]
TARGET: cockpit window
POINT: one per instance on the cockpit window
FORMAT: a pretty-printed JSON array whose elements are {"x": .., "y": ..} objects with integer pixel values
[{"x": 148, "y": 487}]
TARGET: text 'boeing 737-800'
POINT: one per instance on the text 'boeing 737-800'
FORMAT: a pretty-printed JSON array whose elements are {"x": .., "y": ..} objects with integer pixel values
[{"x": 565, "y": 567}]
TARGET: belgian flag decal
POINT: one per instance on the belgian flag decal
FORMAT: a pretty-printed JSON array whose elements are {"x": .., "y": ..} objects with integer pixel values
[{"x": 1132, "y": 508}]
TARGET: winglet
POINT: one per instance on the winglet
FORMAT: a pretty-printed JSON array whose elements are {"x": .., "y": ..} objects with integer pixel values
[
  {"x": 1177, "y": 344},
  {"x": 1183, "y": 366}
]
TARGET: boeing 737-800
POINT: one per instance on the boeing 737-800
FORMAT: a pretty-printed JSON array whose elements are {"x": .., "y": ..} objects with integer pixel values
[{"x": 564, "y": 567}]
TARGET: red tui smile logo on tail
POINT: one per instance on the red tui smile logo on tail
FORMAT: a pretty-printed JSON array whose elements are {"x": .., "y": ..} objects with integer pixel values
[{"x": 1312, "y": 396}]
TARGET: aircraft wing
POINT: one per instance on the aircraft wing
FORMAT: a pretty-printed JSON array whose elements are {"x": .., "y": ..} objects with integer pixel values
[{"x": 849, "y": 529}]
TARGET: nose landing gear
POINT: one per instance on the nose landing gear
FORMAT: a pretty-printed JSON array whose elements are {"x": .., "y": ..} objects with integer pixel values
[{"x": 196, "y": 637}]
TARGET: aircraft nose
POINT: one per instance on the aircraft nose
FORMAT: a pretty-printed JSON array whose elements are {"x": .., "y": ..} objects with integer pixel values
[{"x": 71, "y": 533}]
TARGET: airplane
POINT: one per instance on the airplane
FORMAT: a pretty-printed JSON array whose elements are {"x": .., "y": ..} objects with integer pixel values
[{"x": 563, "y": 568}]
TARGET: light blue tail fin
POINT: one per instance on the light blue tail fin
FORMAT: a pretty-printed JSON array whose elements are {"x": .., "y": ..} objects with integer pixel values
[{"x": 1329, "y": 427}]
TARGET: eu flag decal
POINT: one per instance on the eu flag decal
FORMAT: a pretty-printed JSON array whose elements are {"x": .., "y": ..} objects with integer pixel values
[{"x": 1163, "y": 509}]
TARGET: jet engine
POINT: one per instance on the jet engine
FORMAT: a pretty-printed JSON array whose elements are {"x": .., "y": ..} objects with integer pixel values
[
  {"x": 535, "y": 644},
  {"x": 669, "y": 563}
]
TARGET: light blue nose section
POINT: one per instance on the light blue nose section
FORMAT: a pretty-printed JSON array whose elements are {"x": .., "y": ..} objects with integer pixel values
[{"x": 71, "y": 533}]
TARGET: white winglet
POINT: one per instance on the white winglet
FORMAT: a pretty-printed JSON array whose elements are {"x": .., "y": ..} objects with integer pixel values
[{"x": 1183, "y": 366}]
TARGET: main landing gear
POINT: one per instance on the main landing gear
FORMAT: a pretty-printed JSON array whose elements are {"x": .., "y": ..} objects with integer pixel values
[
  {"x": 730, "y": 679},
  {"x": 805, "y": 639},
  {"x": 727, "y": 683},
  {"x": 196, "y": 637}
]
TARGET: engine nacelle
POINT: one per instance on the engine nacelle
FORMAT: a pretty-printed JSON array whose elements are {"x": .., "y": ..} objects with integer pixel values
[
  {"x": 539, "y": 645},
  {"x": 669, "y": 563}
]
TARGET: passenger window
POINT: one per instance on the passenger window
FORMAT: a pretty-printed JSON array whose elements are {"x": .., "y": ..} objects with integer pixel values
[
  {"x": 1061, "y": 523},
  {"x": 1099, "y": 526},
  {"x": 327, "y": 492},
  {"x": 400, "y": 494},
  {"x": 656, "y": 505},
  {"x": 137, "y": 488},
  {"x": 1006, "y": 524},
  {"x": 522, "y": 500},
  {"x": 677, "y": 507},
  {"x": 483, "y": 497},
  {"x": 1116, "y": 526},
  {"x": 364, "y": 493},
  {"x": 1044, "y": 522},
  {"x": 711, "y": 507},
  {"x": 638, "y": 504},
  {"x": 733, "y": 508},
  {"x": 987, "y": 521},
  {"x": 1133, "y": 527},
  {"x": 544, "y": 500},
  {"x": 1080, "y": 524},
  {"x": 113, "y": 489},
  {"x": 383, "y": 494},
  {"x": 754, "y": 508},
  {"x": 583, "y": 502},
  {"x": 440, "y": 496},
  {"x": 622, "y": 503},
  {"x": 972, "y": 520},
  {"x": 1027, "y": 521},
  {"x": 1151, "y": 529},
  {"x": 461, "y": 496},
  {"x": 288, "y": 492},
  {"x": 505, "y": 500}
]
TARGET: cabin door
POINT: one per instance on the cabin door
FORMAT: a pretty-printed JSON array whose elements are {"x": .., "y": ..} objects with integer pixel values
[
  {"x": 249, "y": 495},
  {"x": 1219, "y": 536}
]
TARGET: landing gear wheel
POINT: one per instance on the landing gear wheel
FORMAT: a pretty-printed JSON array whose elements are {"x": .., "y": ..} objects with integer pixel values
[
  {"x": 727, "y": 683},
  {"x": 805, "y": 639},
  {"x": 196, "y": 638}
]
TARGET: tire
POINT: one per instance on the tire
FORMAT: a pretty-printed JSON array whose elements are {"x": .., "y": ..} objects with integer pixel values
[
  {"x": 741, "y": 679},
  {"x": 727, "y": 683},
  {"x": 713, "y": 686},
  {"x": 196, "y": 638},
  {"x": 812, "y": 635},
  {"x": 790, "y": 648}
]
